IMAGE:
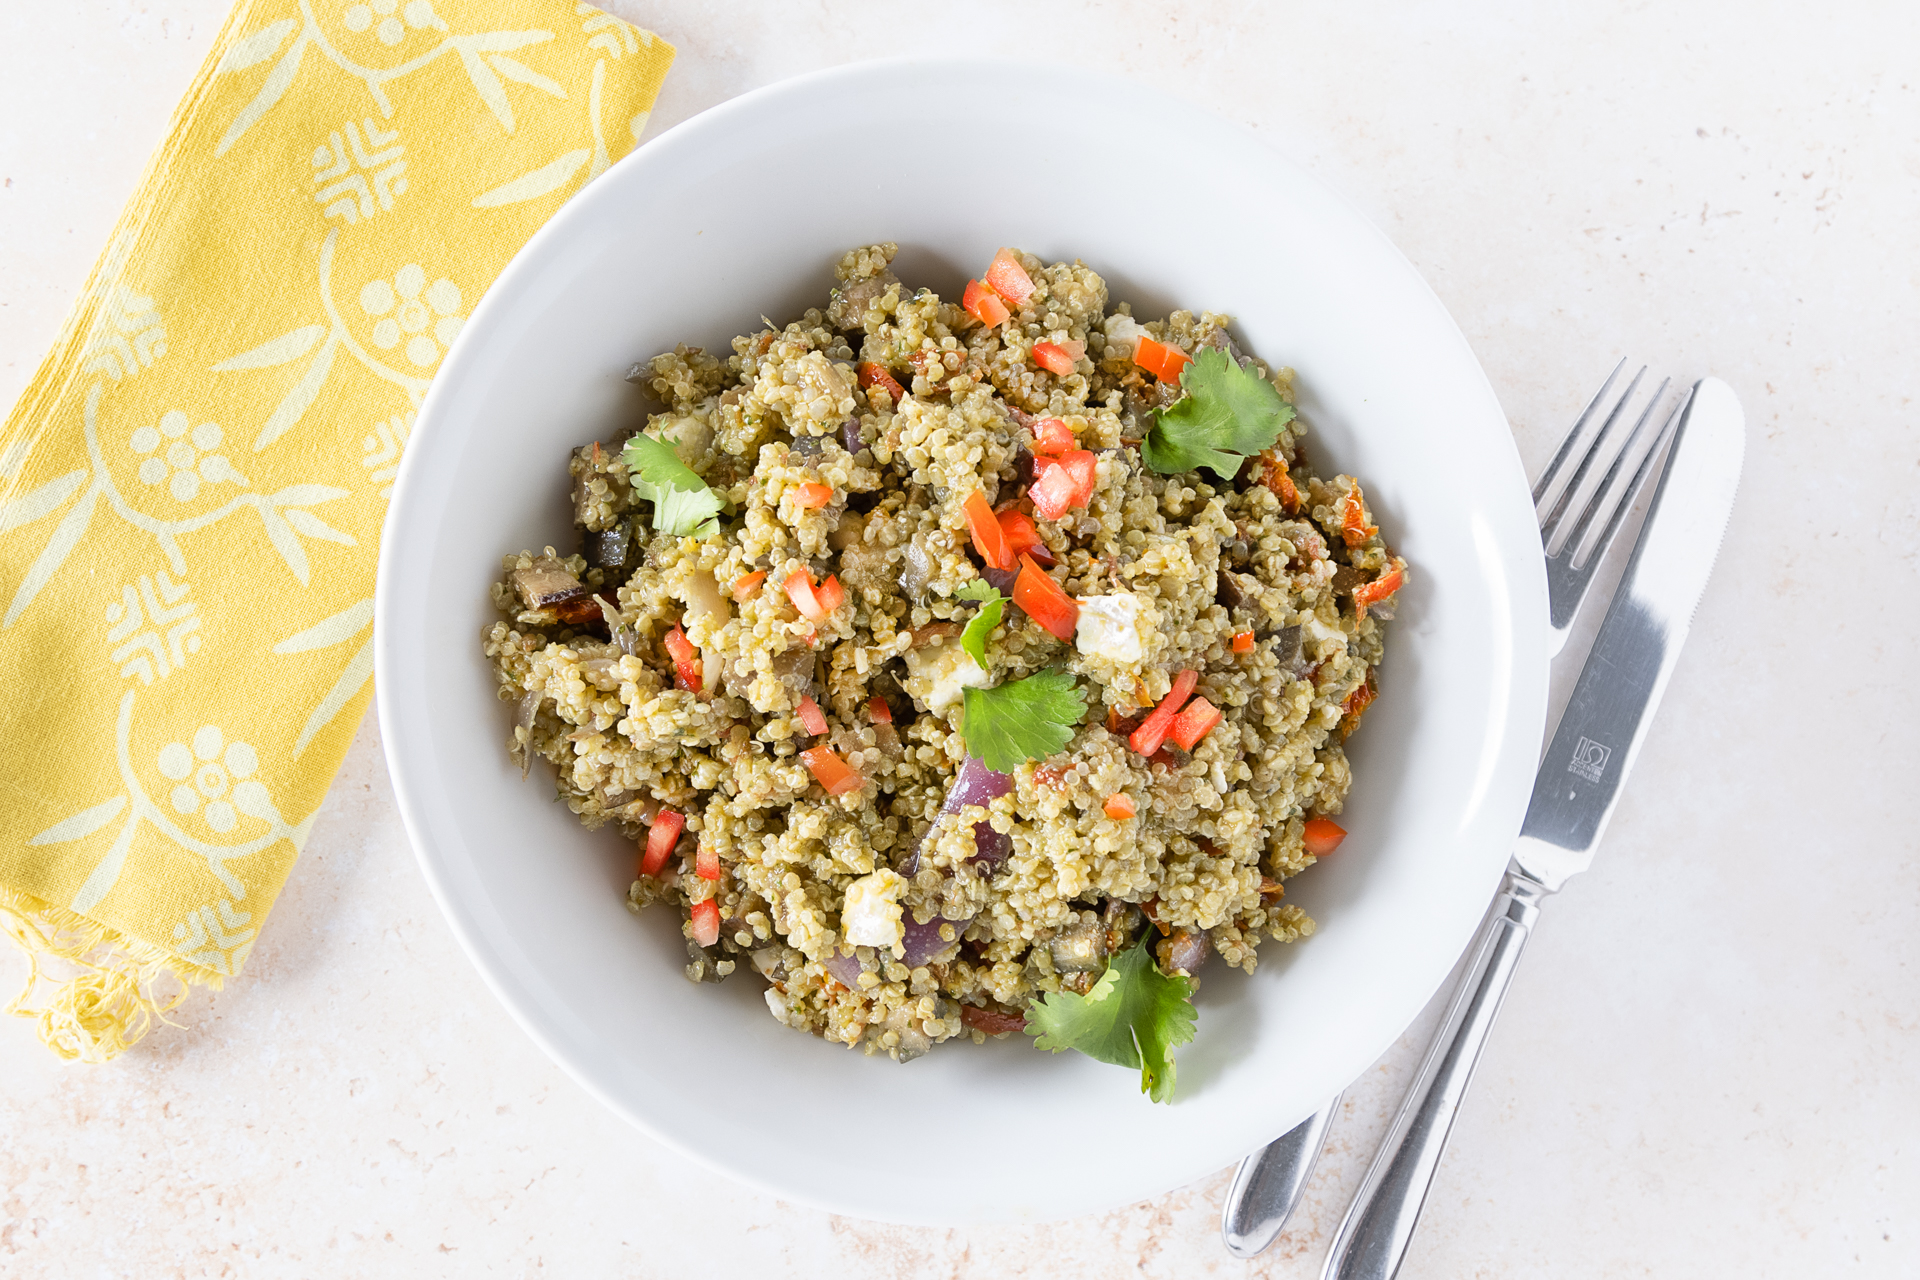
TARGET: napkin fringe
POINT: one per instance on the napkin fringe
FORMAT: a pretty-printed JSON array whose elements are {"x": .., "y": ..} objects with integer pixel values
[{"x": 114, "y": 997}]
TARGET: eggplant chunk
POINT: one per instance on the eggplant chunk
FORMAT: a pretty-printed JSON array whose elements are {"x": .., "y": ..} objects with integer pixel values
[
  {"x": 1122, "y": 921},
  {"x": 612, "y": 550},
  {"x": 546, "y": 584},
  {"x": 848, "y": 310},
  {"x": 1183, "y": 951},
  {"x": 1081, "y": 947},
  {"x": 1286, "y": 647},
  {"x": 706, "y": 964}
]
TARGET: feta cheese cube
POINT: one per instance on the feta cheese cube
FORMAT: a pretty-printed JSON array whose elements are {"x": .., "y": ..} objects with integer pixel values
[
  {"x": 1124, "y": 334},
  {"x": 871, "y": 915},
  {"x": 937, "y": 674},
  {"x": 1109, "y": 627}
]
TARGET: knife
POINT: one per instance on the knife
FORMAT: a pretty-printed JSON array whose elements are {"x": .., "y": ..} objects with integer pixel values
[{"x": 1574, "y": 795}]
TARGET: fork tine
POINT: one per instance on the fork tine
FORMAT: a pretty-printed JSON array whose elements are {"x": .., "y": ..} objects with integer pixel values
[
  {"x": 1550, "y": 527},
  {"x": 1597, "y": 503},
  {"x": 1632, "y": 492},
  {"x": 1566, "y": 445}
]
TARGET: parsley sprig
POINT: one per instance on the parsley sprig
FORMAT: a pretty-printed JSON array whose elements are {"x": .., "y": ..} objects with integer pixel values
[
  {"x": 683, "y": 505},
  {"x": 1018, "y": 720},
  {"x": 981, "y": 624},
  {"x": 1134, "y": 1017},
  {"x": 1228, "y": 415}
]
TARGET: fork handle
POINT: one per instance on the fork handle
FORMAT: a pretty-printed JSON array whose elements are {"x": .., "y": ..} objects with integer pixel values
[{"x": 1373, "y": 1237}]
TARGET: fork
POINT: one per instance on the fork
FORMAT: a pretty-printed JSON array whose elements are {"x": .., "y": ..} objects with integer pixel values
[{"x": 1270, "y": 1182}]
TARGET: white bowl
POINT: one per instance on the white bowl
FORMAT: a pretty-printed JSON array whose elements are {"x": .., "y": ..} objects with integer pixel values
[{"x": 740, "y": 213}]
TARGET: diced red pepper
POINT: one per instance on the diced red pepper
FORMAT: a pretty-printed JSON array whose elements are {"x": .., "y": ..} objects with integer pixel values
[
  {"x": 830, "y": 771},
  {"x": 706, "y": 863},
  {"x": 990, "y": 1021},
  {"x": 800, "y": 590},
  {"x": 1044, "y": 601},
  {"x": 1243, "y": 642},
  {"x": 1052, "y": 490},
  {"x": 706, "y": 922},
  {"x": 1062, "y": 483},
  {"x": 661, "y": 837},
  {"x": 928, "y": 363},
  {"x": 1153, "y": 730},
  {"x": 1021, "y": 536},
  {"x": 988, "y": 538},
  {"x": 1356, "y": 706},
  {"x": 1289, "y": 496},
  {"x": 984, "y": 304},
  {"x": 1050, "y": 775},
  {"x": 813, "y": 717},
  {"x": 1008, "y": 278},
  {"x": 1322, "y": 836},
  {"x": 1051, "y": 435},
  {"x": 873, "y": 375},
  {"x": 686, "y": 659},
  {"x": 812, "y": 497},
  {"x": 1381, "y": 587},
  {"x": 1353, "y": 518},
  {"x": 1194, "y": 723},
  {"x": 879, "y": 711},
  {"x": 1081, "y": 465},
  {"x": 1054, "y": 358},
  {"x": 814, "y": 603},
  {"x": 1119, "y": 806},
  {"x": 1161, "y": 359},
  {"x": 1274, "y": 475},
  {"x": 748, "y": 585}
]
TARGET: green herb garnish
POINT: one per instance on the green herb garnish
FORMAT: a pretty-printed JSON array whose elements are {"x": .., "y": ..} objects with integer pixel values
[
  {"x": 683, "y": 505},
  {"x": 1133, "y": 1017},
  {"x": 1028, "y": 719},
  {"x": 981, "y": 624},
  {"x": 1228, "y": 415}
]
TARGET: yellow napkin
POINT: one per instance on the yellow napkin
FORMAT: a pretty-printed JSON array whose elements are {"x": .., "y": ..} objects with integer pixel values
[{"x": 192, "y": 487}]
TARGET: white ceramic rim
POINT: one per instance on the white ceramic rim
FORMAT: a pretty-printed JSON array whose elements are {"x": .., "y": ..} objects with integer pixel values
[{"x": 1508, "y": 550}]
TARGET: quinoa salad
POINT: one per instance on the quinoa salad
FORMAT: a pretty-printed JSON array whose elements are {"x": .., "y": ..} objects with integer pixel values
[{"x": 960, "y": 668}]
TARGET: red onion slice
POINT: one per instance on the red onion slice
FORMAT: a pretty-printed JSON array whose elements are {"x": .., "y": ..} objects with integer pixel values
[
  {"x": 992, "y": 845},
  {"x": 845, "y": 966},
  {"x": 922, "y": 941},
  {"x": 974, "y": 784}
]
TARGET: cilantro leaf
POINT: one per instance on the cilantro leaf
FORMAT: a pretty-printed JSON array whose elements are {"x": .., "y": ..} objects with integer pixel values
[
  {"x": 1028, "y": 719},
  {"x": 1228, "y": 414},
  {"x": 683, "y": 505},
  {"x": 1133, "y": 1017},
  {"x": 981, "y": 625}
]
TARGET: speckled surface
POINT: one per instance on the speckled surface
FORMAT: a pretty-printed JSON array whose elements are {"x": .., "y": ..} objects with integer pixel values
[{"x": 1706, "y": 1065}]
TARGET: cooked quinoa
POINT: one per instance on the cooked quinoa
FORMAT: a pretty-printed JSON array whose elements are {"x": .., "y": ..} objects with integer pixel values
[{"x": 1169, "y": 570}]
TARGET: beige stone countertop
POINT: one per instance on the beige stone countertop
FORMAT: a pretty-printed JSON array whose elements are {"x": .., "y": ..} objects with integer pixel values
[{"x": 1707, "y": 1065}]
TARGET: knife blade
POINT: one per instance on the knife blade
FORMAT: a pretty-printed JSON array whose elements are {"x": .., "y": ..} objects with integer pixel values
[
  {"x": 1633, "y": 657},
  {"x": 1574, "y": 795}
]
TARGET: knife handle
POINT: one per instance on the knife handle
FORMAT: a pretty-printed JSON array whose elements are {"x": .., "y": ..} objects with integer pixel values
[{"x": 1373, "y": 1237}]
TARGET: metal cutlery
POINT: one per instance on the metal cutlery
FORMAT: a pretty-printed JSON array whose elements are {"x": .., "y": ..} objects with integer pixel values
[
  {"x": 1574, "y": 795},
  {"x": 1269, "y": 1183},
  {"x": 1566, "y": 521}
]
